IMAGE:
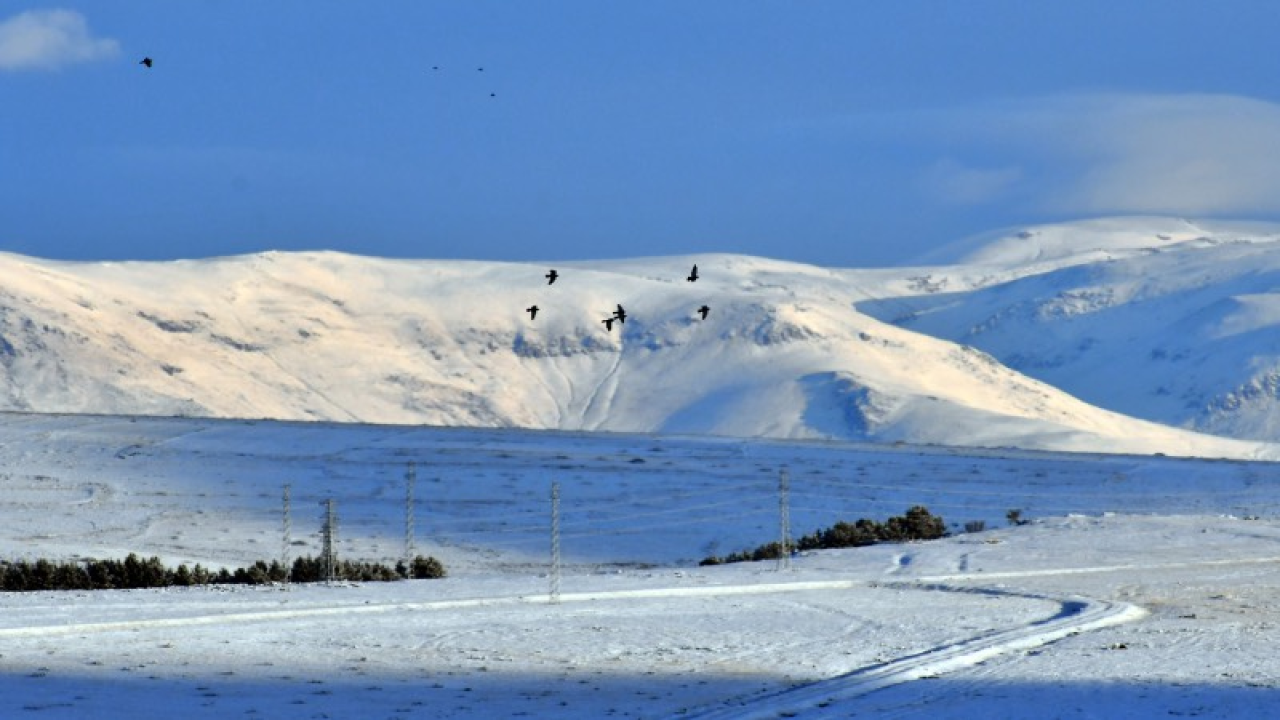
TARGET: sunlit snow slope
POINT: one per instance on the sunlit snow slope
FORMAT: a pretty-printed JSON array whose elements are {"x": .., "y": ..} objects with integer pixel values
[
  {"x": 1168, "y": 320},
  {"x": 783, "y": 353}
]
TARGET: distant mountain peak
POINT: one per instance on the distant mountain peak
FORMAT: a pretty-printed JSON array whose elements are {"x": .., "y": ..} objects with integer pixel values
[{"x": 1092, "y": 240}]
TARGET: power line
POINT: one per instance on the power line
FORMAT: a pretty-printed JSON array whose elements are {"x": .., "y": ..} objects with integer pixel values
[
  {"x": 658, "y": 526},
  {"x": 655, "y": 513}
]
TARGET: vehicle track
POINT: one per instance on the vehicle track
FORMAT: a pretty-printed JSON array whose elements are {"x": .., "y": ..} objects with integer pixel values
[
  {"x": 373, "y": 608},
  {"x": 1076, "y": 615}
]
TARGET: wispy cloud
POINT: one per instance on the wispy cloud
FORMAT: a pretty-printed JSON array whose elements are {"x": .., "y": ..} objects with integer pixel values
[
  {"x": 1182, "y": 154},
  {"x": 1113, "y": 153},
  {"x": 954, "y": 183},
  {"x": 50, "y": 39}
]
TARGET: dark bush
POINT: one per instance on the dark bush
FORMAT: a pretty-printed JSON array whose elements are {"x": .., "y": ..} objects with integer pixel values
[
  {"x": 308, "y": 569},
  {"x": 917, "y": 524},
  {"x": 427, "y": 568},
  {"x": 135, "y": 572},
  {"x": 843, "y": 535}
]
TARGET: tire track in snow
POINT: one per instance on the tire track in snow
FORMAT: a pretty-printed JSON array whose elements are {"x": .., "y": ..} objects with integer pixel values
[
  {"x": 1077, "y": 615},
  {"x": 1089, "y": 570},
  {"x": 373, "y": 608}
]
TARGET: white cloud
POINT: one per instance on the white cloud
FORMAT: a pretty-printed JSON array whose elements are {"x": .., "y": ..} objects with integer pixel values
[
  {"x": 1117, "y": 153},
  {"x": 49, "y": 39},
  {"x": 1181, "y": 154}
]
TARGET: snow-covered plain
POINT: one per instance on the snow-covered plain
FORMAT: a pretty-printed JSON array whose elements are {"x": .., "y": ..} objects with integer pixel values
[{"x": 1144, "y": 586}]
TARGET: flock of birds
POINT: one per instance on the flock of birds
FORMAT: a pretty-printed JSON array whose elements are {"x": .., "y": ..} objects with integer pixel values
[
  {"x": 436, "y": 68},
  {"x": 620, "y": 314},
  {"x": 148, "y": 62}
]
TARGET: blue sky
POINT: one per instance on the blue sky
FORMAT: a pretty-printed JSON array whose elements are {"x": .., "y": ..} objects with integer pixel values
[{"x": 841, "y": 133}]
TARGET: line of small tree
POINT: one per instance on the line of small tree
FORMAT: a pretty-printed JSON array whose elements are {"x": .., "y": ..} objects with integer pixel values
[
  {"x": 135, "y": 572},
  {"x": 916, "y": 524}
]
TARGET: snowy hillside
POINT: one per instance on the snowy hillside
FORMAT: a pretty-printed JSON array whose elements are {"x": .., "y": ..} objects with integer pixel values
[
  {"x": 323, "y": 336},
  {"x": 1161, "y": 319}
]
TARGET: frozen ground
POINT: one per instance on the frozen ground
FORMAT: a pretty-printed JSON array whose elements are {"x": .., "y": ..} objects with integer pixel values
[{"x": 1140, "y": 588}]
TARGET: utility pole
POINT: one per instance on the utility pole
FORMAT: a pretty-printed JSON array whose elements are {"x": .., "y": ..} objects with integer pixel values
[
  {"x": 329, "y": 540},
  {"x": 286, "y": 545},
  {"x": 411, "y": 475},
  {"x": 784, "y": 520},
  {"x": 555, "y": 543}
]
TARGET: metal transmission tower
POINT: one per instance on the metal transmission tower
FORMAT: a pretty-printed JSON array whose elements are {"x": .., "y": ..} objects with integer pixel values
[
  {"x": 287, "y": 543},
  {"x": 410, "y": 476},
  {"x": 555, "y": 543},
  {"x": 784, "y": 520},
  {"x": 329, "y": 540}
]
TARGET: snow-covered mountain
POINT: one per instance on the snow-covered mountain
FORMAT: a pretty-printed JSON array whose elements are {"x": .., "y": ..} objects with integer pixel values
[
  {"x": 1167, "y": 320},
  {"x": 784, "y": 352}
]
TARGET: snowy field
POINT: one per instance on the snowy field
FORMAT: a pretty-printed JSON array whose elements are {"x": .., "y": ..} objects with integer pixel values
[{"x": 1144, "y": 586}]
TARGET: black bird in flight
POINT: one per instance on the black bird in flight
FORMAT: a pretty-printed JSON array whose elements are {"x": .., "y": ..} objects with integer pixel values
[
  {"x": 704, "y": 310},
  {"x": 145, "y": 61},
  {"x": 693, "y": 276},
  {"x": 551, "y": 276},
  {"x": 532, "y": 310},
  {"x": 608, "y": 324},
  {"x": 620, "y": 314}
]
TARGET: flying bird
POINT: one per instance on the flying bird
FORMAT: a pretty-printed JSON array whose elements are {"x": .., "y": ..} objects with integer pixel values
[
  {"x": 145, "y": 61},
  {"x": 693, "y": 276},
  {"x": 703, "y": 311},
  {"x": 551, "y": 276},
  {"x": 608, "y": 324},
  {"x": 532, "y": 310},
  {"x": 620, "y": 314}
]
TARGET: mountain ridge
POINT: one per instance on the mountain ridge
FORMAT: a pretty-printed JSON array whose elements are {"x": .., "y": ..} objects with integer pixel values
[{"x": 785, "y": 352}]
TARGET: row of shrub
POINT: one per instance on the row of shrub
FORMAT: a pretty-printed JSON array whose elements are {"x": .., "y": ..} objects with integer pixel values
[
  {"x": 917, "y": 524},
  {"x": 136, "y": 572}
]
